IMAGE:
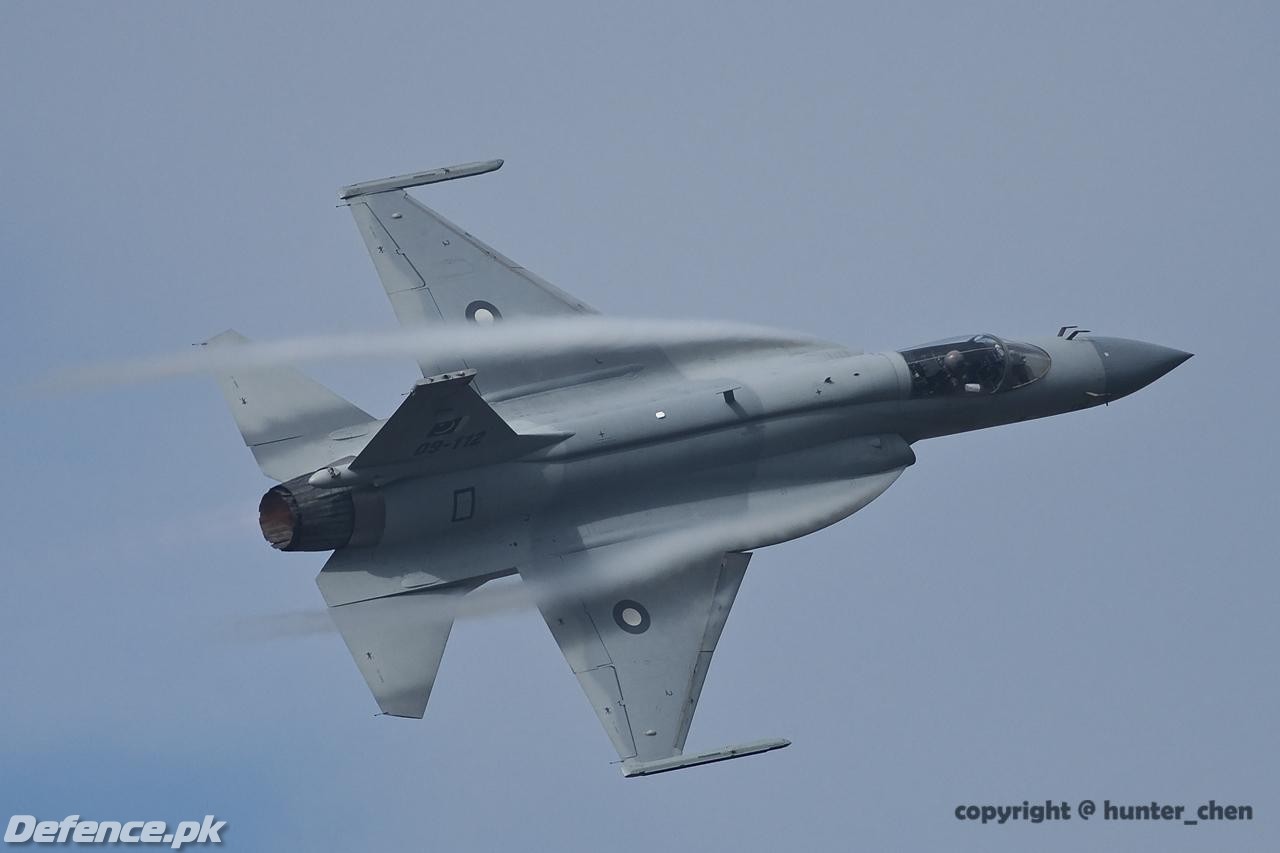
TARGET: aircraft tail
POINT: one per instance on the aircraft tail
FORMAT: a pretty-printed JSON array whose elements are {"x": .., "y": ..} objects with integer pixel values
[{"x": 292, "y": 423}]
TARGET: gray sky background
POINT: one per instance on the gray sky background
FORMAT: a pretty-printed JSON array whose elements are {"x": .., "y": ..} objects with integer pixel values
[{"x": 1078, "y": 607}]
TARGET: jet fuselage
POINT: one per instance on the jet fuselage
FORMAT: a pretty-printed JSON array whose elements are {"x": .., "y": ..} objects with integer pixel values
[{"x": 763, "y": 448}]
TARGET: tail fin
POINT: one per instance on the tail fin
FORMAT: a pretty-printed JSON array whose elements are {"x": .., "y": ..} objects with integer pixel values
[{"x": 292, "y": 423}]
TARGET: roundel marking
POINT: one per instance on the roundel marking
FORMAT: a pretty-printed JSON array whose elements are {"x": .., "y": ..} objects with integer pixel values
[
  {"x": 631, "y": 616},
  {"x": 483, "y": 313}
]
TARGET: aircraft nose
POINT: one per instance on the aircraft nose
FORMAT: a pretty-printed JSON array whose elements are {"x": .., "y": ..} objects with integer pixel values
[{"x": 1130, "y": 365}]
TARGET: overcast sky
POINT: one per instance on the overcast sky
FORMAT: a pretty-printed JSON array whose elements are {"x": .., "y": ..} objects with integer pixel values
[{"x": 1078, "y": 607}]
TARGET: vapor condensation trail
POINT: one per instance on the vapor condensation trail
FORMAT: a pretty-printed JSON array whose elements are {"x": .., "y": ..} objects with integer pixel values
[
  {"x": 514, "y": 339},
  {"x": 283, "y": 625}
]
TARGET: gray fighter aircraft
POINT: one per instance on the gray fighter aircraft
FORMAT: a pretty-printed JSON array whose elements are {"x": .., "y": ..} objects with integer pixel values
[{"x": 626, "y": 488}]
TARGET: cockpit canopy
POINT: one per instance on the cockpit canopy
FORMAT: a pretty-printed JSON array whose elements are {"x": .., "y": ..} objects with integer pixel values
[{"x": 982, "y": 364}]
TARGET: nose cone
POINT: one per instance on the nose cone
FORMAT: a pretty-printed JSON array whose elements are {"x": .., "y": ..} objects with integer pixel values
[{"x": 1130, "y": 365}]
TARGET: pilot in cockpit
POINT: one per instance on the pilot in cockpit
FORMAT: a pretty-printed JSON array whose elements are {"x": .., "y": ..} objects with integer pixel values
[
  {"x": 982, "y": 364},
  {"x": 954, "y": 364}
]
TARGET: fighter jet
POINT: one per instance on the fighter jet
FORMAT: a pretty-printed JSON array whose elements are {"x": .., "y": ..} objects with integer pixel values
[{"x": 627, "y": 488}]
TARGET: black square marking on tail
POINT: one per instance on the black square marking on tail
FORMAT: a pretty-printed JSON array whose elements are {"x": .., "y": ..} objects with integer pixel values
[{"x": 464, "y": 503}]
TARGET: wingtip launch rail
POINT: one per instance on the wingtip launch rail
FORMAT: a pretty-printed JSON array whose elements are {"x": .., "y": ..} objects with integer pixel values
[
  {"x": 417, "y": 179},
  {"x": 632, "y": 767}
]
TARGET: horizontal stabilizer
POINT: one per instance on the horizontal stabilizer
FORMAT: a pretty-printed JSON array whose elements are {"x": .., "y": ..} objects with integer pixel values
[
  {"x": 360, "y": 573},
  {"x": 292, "y": 423},
  {"x": 397, "y": 643}
]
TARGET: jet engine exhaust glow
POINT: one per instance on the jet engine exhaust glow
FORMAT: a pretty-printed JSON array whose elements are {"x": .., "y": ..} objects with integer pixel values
[{"x": 296, "y": 516}]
